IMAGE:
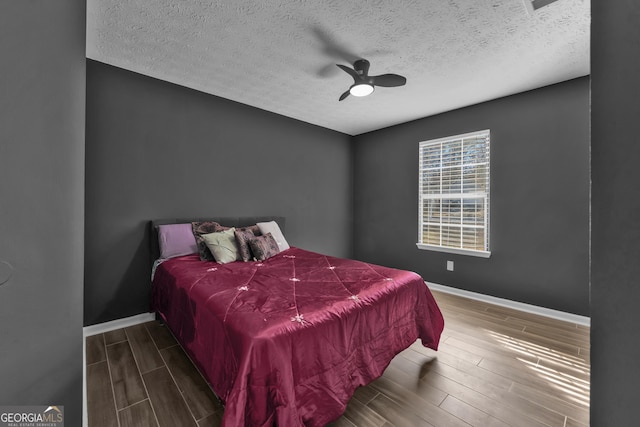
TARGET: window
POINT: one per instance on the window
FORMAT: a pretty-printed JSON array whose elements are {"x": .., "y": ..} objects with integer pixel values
[{"x": 454, "y": 194}]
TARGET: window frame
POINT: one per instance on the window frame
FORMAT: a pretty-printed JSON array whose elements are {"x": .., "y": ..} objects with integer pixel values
[{"x": 485, "y": 196}]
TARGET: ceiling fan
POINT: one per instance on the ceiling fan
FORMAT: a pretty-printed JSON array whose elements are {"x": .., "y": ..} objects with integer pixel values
[{"x": 363, "y": 83}]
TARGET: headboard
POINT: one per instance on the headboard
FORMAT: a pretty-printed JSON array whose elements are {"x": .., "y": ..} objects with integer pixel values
[{"x": 231, "y": 221}]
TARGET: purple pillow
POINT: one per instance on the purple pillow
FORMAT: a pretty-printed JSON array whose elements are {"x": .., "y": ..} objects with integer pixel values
[
  {"x": 176, "y": 240},
  {"x": 264, "y": 247}
]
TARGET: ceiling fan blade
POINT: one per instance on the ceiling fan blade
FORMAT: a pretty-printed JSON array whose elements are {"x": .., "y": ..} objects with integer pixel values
[
  {"x": 388, "y": 80},
  {"x": 330, "y": 46},
  {"x": 344, "y": 95},
  {"x": 353, "y": 73}
]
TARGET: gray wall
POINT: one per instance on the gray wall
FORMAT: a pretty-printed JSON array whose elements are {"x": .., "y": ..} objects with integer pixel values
[
  {"x": 539, "y": 198},
  {"x": 157, "y": 150},
  {"x": 615, "y": 266},
  {"x": 42, "y": 94}
]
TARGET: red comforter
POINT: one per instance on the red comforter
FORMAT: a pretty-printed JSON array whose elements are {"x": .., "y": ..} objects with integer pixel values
[{"x": 287, "y": 341}]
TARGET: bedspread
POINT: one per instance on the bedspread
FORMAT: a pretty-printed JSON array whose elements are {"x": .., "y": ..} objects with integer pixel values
[{"x": 286, "y": 341}]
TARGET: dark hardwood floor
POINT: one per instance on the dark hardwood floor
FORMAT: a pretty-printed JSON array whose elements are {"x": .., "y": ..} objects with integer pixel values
[{"x": 495, "y": 367}]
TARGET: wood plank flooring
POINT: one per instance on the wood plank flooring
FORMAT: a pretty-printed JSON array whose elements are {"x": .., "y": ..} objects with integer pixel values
[{"x": 495, "y": 367}]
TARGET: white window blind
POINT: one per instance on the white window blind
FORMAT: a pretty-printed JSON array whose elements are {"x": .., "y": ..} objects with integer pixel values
[{"x": 454, "y": 194}]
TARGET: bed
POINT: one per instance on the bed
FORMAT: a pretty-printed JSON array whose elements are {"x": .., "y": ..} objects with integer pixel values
[{"x": 286, "y": 340}]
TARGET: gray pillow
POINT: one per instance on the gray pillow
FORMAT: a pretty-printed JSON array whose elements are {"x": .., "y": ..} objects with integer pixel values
[{"x": 223, "y": 246}]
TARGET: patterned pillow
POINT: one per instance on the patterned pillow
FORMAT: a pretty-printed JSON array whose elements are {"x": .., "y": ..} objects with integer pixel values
[
  {"x": 205, "y": 227},
  {"x": 243, "y": 237},
  {"x": 254, "y": 228},
  {"x": 273, "y": 228},
  {"x": 264, "y": 247}
]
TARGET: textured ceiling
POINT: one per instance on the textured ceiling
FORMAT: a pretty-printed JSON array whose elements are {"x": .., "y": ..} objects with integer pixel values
[{"x": 280, "y": 55}]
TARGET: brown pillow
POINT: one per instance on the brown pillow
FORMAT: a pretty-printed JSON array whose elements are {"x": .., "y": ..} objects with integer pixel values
[
  {"x": 205, "y": 227},
  {"x": 264, "y": 247},
  {"x": 243, "y": 237}
]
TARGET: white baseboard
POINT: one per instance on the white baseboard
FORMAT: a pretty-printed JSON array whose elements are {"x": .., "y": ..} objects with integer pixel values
[
  {"x": 99, "y": 329},
  {"x": 542, "y": 311},
  {"x": 118, "y": 324}
]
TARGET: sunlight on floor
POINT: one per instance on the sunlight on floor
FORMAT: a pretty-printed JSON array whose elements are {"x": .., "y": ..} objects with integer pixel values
[{"x": 568, "y": 374}]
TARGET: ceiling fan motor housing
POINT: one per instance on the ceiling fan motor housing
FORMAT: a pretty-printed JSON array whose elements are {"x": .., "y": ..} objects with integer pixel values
[{"x": 361, "y": 66}]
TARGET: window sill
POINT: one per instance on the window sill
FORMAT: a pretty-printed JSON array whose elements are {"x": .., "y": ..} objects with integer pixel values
[{"x": 481, "y": 254}]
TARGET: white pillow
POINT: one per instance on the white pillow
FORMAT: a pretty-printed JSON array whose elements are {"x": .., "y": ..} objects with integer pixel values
[
  {"x": 223, "y": 246},
  {"x": 273, "y": 228}
]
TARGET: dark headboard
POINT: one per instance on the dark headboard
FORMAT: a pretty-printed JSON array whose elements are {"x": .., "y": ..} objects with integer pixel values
[{"x": 229, "y": 221}]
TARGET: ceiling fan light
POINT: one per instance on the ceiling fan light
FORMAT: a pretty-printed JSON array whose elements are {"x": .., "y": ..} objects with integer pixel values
[{"x": 361, "y": 89}]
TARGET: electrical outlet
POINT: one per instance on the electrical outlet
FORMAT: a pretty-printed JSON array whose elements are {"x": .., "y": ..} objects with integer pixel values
[{"x": 449, "y": 265}]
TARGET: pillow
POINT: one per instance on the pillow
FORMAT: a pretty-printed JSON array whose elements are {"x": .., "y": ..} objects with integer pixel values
[
  {"x": 253, "y": 228},
  {"x": 223, "y": 246},
  {"x": 243, "y": 237},
  {"x": 176, "y": 240},
  {"x": 205, "y": 227},
  {"x": 264, "y": 246},
  {"x": 273, "y": 228}
]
